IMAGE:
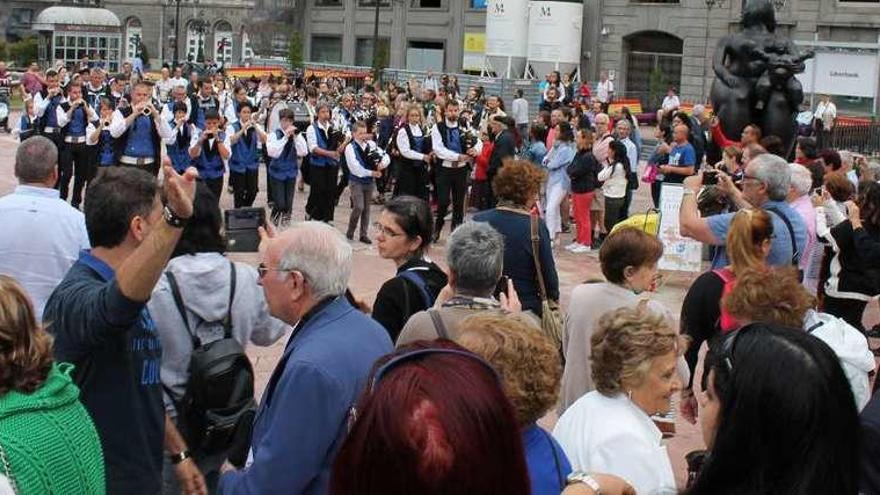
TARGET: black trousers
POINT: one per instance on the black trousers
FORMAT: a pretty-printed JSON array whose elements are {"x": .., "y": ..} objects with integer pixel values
[
  {"x": 76, "y": 159},
  {"x": 451, "y": 182},
  {"x": 266, "y": 160},
  {"x": 215, "y": 186},
  {"x": 850, "y": 310},
  {"x": 411, "y": 180},
  {"x": 282, "y": 192},
  {"x": 343, "y": 181},
  {"x": 322, "y": 193},
  {"x": 244, "y": 187}
]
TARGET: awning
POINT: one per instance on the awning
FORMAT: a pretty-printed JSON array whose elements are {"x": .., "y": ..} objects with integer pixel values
[{"x": 75, "y": 16}]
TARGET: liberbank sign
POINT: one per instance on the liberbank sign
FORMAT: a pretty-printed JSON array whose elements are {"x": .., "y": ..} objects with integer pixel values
[{"x": 843, "y": 74}]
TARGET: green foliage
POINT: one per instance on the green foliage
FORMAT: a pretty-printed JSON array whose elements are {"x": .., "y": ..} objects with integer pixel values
[
  {"x": 3, "y": 50},
  {"x": 144, "y": 54},
  {"x": 657, "y": 86},
  {"x": 295, "y": 51},
  {"x": 22, "y": 52},
  {"x": 381, "y": 54}
]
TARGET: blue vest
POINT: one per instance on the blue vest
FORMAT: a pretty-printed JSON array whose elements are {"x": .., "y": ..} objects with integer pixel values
[
  {"x": 453, "y": 138},
  {"x": 26, "y": 128},
  {"x": 417, "y": 144},
  {"x": 78, "y": 122},
  {"x": 244, "y": 151},
  {"x": 50, "y": 117},
  {"x": 200, "y": 108},
  {"x": 210, "y": 163},
  {"x": 140, "y": 142},
  {"x": 364, "y": 161},
  {"x": 179, "y": 151},
  {"x": 284, "y": 167},
  {"x": 317, "y": 160},
  {"x": 106, "y": 154}
]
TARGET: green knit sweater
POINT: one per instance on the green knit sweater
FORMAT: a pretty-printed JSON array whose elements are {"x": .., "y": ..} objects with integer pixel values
[{"x": 50, "y": 440}]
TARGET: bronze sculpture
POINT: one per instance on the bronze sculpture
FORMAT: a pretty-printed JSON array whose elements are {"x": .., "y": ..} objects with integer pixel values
[{"x": 755, "y": 79}]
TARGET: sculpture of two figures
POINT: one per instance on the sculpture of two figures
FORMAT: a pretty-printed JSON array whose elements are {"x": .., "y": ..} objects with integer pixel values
[{"x": 755, "y": 79}]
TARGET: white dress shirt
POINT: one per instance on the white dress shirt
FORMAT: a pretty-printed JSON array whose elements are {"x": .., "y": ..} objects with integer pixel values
[
  {"x": 827, "y": 112},
  {"x": 43, "y": 236},
  {"x": 168, "y": 115},
  {"x": 40, "y": 104},
  {"x": 275, "y": 146},
  {"x": 403, "y": 143},
  {"x": 197, "y": 134},
  {"x": 312, "y": 138},
  {"x": 118, "y": 126},
  {"x": 632, "y": 154},
  {"x": 178, "y": 130},
  {"x": 354, "y": 166},
  {"x": 449, "y": 157},
  {"x": 61, "y": 115},
  {"x": 611, "y": 435}
]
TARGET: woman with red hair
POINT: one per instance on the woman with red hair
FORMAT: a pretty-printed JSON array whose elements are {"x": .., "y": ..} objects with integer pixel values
[{"x": 434, "y": 420}]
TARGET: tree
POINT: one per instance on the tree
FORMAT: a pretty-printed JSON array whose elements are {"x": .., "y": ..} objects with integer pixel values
[
  {"x": 295, "y": 51},
  {"x": 144, "y": 54},
  {"x": 23, "y": 52},
  {"x": 656, "y": 87},
  {"x": 380, "y": 58}
]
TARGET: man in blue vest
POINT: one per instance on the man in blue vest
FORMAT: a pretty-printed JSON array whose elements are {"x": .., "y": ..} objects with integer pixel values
[
  {"x": 245, "y": 136},
  {"x": 286, "y": 147},
  {"x": 452, "y": 174},
  {"x": 74, "y": 115},
  {"x": 141, "y": 130},
  {"x": 365, "y": 164},
  {"x": 45, "y": 104},
  {"x": 324, "y": 157},
  {"x": 203, "y": 101},
  {"x": 209, "y": 150},
  {"x": 95, "y": 88}
]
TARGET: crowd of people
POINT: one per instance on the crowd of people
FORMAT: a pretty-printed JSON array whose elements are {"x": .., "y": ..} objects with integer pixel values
[{"x": 124, "y": 325}]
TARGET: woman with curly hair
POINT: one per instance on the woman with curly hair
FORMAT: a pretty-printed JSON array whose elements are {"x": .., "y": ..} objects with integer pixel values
[
  {"x": 609, "y": 430},
  {"x": 516, "y": 187},
  {"x": 48, "y": 443},
  {"x": 529, "y": 367}
]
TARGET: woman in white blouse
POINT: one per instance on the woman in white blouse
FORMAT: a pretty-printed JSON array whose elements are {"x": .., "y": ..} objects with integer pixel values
[
  {"x": 613, "y": 178},
  {"x": 609, "y": 430},
  {"x": 414, "y": 145}
]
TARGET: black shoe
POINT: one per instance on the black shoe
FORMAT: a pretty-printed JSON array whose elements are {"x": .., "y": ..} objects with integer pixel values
[
  {"x": 350, "y": 237},
  {"x": 566, "y": 229},
  {"x": 365, "y": 240}
]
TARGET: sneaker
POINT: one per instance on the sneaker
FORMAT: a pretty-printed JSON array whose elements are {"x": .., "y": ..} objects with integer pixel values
[
  {"x": 572, "y": 246},
  {"x": 581, "y": 248},
  {"x": 365, "y": 240}
]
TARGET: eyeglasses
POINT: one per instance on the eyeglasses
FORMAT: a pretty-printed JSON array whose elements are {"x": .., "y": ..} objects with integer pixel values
[
  {"x": 746, "y": 177},
  {"x": 262, "y": 270},
  {"x": 378, "y": 228},
  {"x": 421, "y": 353}
]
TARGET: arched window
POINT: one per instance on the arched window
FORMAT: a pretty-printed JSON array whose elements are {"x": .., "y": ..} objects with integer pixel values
[
  {"x": 133, "y": 39},
  {"x": 246, "y": 51},
  {"x": 223, "y": 42},
  {"x": 195, "y": 40},
  {"x": 653, "y": 63}
]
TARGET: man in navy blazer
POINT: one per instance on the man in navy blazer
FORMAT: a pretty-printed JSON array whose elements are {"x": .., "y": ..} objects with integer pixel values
[{"x": 310, "y": 398}]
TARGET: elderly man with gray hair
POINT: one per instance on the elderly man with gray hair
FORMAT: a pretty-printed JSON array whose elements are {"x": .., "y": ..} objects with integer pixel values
[
  {"x": 326, "y": 364},
  {"x": 42, "y": 234},
  {"x": 766, "y": 184},
  {"x": 475, "y": 255}
]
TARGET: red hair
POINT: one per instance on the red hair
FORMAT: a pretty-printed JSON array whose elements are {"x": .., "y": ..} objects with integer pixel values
[{"x": 435, "y": 424}]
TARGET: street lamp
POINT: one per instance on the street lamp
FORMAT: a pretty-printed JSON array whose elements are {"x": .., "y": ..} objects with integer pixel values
[
  {"x": 710, "y": 4},
  {"x": 177, "y": 26}
]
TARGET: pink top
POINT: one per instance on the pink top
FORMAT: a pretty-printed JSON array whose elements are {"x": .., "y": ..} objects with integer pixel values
[{"x": 804, "y": 207}]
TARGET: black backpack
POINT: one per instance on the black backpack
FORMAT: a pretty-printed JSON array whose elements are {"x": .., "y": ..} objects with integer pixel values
[{"x": 217, "y": 410}]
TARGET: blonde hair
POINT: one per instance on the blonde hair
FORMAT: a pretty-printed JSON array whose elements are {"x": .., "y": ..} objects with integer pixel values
[
  {"x": 771, "y": 296},
  {"x": 25, "y": 348},
  {"x": 528, "y": 363},
  {"x": 749, "y": 229},
  {"x": 626, "y": 342}
]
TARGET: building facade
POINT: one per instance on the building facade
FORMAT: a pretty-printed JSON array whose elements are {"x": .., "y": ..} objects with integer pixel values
[{"x": 218, "y": 29}]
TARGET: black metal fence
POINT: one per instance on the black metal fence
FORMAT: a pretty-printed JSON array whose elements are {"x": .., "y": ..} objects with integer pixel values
[{"x": 861, "y": 138}]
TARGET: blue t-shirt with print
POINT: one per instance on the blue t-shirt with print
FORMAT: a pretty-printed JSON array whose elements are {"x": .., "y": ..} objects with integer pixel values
[{"x": 681, "y": 155}]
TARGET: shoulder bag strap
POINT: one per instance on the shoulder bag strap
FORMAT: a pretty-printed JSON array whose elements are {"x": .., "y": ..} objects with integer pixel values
[
  {"x": 178, "y": 301},
  {"x": 227, "y": 323},
  {"x": 442, "y": 332},
  {"x": 542, "y": 289},
  {"x": 795, "y": 255}
]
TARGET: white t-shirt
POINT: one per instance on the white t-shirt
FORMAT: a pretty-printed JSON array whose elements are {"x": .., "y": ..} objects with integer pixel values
[
  {"x": 612, "y": 435},
  {"x": 604, "y": 90}
]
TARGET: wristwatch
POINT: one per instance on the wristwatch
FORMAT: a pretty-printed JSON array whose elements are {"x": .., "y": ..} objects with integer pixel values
[
  {"x": 585, "y": 478},
  {"x": 179, "y": 457},
  {"x": 172, "y": 219}
]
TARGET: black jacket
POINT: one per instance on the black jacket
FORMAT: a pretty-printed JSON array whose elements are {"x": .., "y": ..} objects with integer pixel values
[
  {"x": 398, "y": 299},
  {"x": 505, "y": 147},
  {"x": 583, "y": 172},
  {"x": 855, "y": 269}
]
